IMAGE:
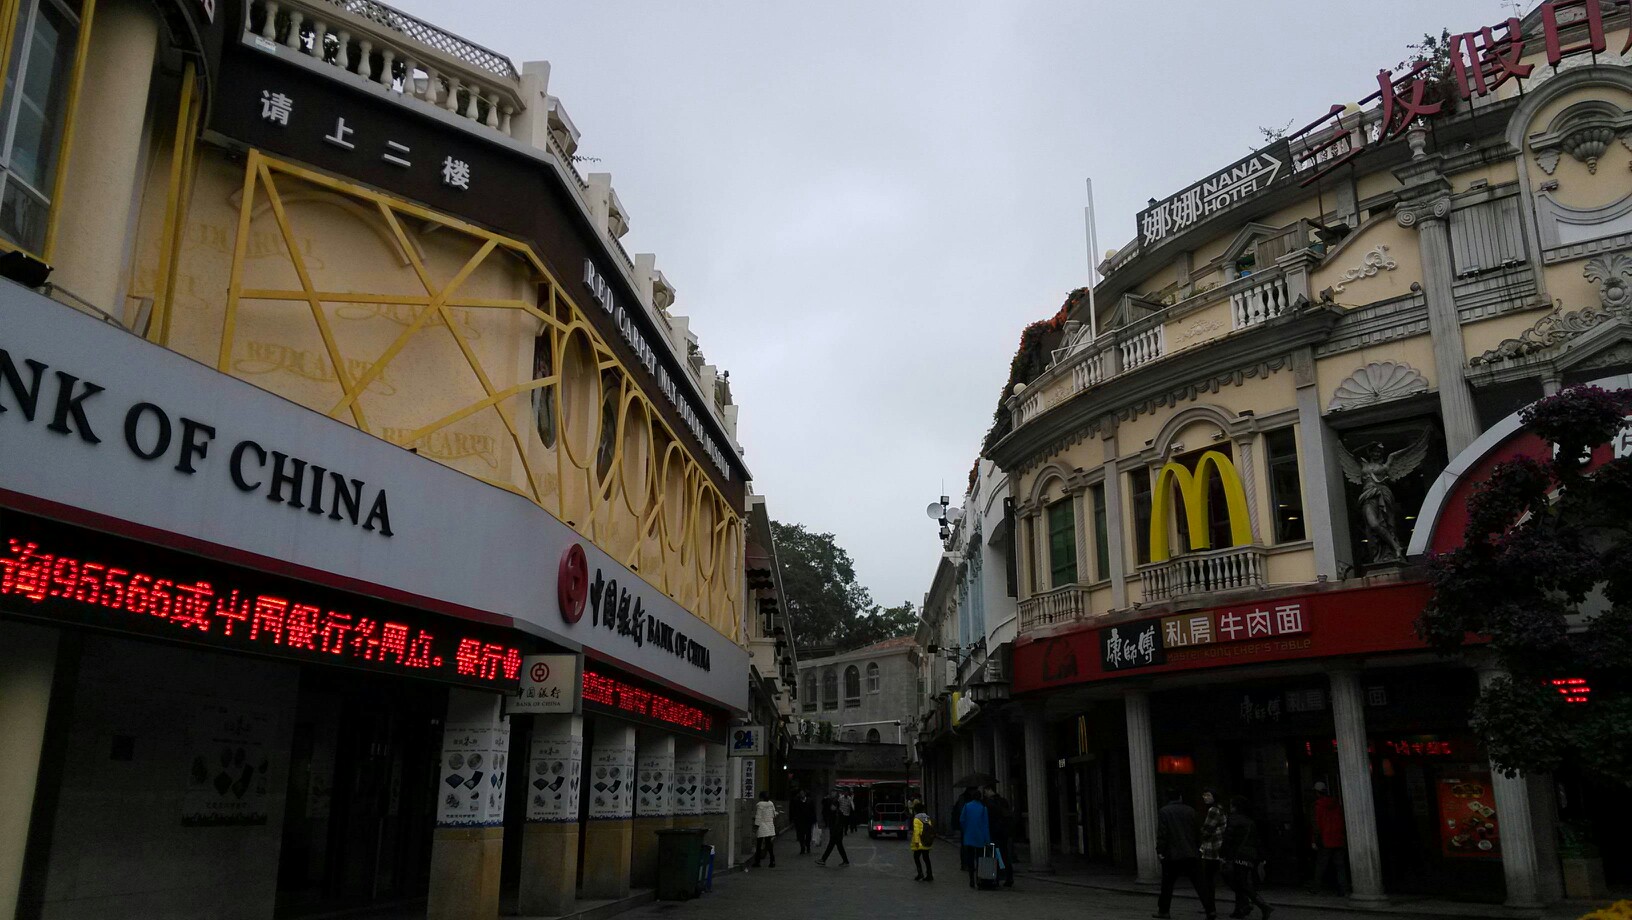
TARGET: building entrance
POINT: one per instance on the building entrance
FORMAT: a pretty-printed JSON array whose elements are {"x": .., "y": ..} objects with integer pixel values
[{"x": 362, "y": 792}]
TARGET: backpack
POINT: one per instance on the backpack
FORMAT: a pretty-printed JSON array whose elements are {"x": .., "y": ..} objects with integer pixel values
[{"x": 926, "y": 834}]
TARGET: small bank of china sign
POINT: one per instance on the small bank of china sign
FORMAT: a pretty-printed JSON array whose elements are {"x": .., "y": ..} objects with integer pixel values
[
  {"x": 76, "y": 408},
  {"x": 619, "y": 609}
]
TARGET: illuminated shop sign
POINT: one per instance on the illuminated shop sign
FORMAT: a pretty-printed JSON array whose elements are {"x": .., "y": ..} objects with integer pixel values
[
  {"x": 68, "y": 575},
  {"x": 1193, "y": 635},
  {"x": 615, "y": 696},
  {"x": 88, "y": 413}
]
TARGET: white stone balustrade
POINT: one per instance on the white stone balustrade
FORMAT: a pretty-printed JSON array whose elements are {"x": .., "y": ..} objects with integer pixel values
[
  {"x": 405, "y": 54},
  {"x": 1143, "y": 346},
  {"x": 1203, "y": 572},
  {"x": 1061, "y": 605},
  {"x": 1260, "y": 299}
]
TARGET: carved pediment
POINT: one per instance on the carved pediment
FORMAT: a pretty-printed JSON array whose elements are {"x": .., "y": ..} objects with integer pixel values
[
  {"x": 1583, "y": 131},
  {"x": 1379, "y": 381}
]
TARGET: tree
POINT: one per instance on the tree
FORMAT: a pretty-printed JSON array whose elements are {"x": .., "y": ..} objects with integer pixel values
[
  {"x": 1544, "y": 579},
  {"x": 819, "y": 584},
  {"x": 825, "y": 604}
]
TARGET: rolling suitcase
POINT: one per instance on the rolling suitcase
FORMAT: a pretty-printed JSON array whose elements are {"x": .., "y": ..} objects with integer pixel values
[{"x": 986, "y": 866}]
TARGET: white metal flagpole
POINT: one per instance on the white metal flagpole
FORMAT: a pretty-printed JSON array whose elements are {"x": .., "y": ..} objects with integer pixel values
[{"x": 1093, "y": 263}]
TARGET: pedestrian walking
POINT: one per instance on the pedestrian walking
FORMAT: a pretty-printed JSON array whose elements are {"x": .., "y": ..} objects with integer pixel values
[
  {"x": 1212, "y": 842},
  {"x": 923, "y": 837},
  {"x": 1000, "y": 818},
  {"x": 1241, "y": 856},
  {"x": 802, "y": 812},
  {"x": 977, "y": 833},
  {"x": 765, "y": 829},
  {"x": 833, "y": 820},
  {"x": 847, "y": 808},
  {"x": 1327, "y": 840},
  {"x": 1180, "y": 853}
]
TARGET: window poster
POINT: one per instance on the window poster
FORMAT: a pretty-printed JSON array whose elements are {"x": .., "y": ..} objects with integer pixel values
[
  {"x": 553, "y": 779},
  {"x": 467, "y": 761},
  {"x": 1467, "y": 816},
  {"x": 227, "y": 778}
]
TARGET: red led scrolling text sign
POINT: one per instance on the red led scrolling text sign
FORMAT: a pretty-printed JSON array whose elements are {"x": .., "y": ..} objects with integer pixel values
[
  {"x": 614, "y": 693},
  {"x": 259, "y": 620}
]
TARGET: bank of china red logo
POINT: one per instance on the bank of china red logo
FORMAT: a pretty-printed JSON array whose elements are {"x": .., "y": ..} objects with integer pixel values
[
  {"x": 572, "y": 587},
  {"x": 540, "y": 672}
]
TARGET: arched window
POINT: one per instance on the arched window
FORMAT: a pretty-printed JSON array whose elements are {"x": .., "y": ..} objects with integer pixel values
[
  {"x": 808, "y": 695},
  {"x": 872, "y": 677},
  {"x": 852, "y": 686},
  {"x": 872, "y": 736},
  {"x": 830, "y": 689}
]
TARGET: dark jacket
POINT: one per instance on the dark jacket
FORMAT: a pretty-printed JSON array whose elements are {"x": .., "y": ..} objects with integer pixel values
[
  {"x": 1001, "y": 817},
  {"x": 1241, "y": 839},
  {"x": 1176, "y": 832},
  {"x": 802, "y": 812},
  {"x": 831, "y": 818}
]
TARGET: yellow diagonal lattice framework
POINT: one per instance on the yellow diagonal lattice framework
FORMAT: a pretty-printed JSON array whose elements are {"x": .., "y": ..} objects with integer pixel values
[{"x": 597, "y": 453}]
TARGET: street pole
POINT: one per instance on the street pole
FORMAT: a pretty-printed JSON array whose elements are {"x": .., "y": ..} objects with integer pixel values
[{"x": 1093, "y": 262}]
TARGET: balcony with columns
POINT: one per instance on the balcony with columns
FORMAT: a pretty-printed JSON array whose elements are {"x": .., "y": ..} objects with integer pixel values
[
  {"x": 404, "y": 54},
  {"x": 1204, "y": 572},
  {"x": 1050, "y": 608},
  {"x": 1152, "y": 332}
]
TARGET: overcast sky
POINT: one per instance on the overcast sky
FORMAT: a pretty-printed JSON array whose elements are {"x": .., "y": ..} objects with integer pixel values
[{"x": 861, "y": 204}]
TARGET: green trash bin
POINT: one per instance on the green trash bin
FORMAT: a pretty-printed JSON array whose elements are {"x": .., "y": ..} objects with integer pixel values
[{"x": 679, "y": 862}]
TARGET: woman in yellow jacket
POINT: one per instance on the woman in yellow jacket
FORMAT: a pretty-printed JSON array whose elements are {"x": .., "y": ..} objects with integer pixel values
[{"x": 923, "y": 835}]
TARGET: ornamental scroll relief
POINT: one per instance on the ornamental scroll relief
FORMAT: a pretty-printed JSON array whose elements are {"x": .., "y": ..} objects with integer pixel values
[
  {"x": 1370, "y": 264},
  {"x": 1613, "y": 274}
]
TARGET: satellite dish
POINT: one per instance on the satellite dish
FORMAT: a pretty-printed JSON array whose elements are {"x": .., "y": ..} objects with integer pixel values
[
  {"x": 934, "y": 511},
  {"x": 954, "y": 514}
]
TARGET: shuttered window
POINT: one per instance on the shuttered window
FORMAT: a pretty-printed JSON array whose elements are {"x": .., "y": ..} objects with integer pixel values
[
  {"x": 1486, "y": 236},
  {"x": 1062, "y": 544}
]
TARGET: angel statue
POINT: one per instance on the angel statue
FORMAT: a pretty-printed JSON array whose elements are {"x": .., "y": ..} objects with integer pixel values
[{"x": 1374, "y": 473}]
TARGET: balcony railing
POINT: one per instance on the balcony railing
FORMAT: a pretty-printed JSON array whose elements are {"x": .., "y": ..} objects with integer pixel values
[
  {"x": 1254, "y": 300},
  {"x": 405, "y": 54},
  {"x": 1061, "y": 605},
  {"x": 1203, "y": 572}
]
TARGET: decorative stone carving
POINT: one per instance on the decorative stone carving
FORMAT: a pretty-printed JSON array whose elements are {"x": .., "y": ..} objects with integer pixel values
[
  {"x": 1375, "y": 472},
  {"x": 1198, "y": 330},
  {"x": 1583, "y": 131},
  {"x": 1379, "y": 381},
  {"x": 1370, "y": 264},
  {"x": 1613, "y": 272},
  {"x": 1408, "y": 214}
]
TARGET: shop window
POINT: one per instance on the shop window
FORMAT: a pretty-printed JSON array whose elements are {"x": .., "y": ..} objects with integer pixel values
[
  {"x": 809, "y": 696},
  {"x": 873, "y": 736},
  {"x": 1102, "y": 533},
  {"x": 830, "y": 689},
  {"x": 852, "y": 687},
  {"x": 1218, "y": 509},
  {"x": 873, "y": 680},
  {"x": 544, "y": 397},
  {"x": 38, "y": 74},
  {"x": 1139, "y": 490},
  {"x": 1285, "y": 487},
  {"x": 1062, "y": 544}
]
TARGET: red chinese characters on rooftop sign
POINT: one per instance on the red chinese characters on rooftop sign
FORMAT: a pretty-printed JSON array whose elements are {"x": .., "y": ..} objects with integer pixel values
[{"x": 218, "y": 614}]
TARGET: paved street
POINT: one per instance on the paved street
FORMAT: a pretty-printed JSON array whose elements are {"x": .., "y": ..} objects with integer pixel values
[{"x": 878, "y": 884}]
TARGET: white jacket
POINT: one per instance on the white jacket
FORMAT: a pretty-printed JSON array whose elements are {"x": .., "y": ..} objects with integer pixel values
[{"x": 765, "y": 819}]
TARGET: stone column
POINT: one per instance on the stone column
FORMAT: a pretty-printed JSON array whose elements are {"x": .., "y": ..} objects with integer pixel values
[
  {"x": 610, "y": 781},
  {"x": 28, "y": 664},
  {"x": 654, "y": 803},
  {"x": 467, "y": 846},
  {"x": 103, "y": 164},
  {"x": 1430, "y": 214},
  {"x": 1000, "y": 759},
  {"x": 549, "y": 841},
  {"x": 1325, "y": 506},
  {"x": 1114, "y": 529},
  {"x": 1354, "y": 775},
  {"x": 1038, "y": 763},
  {"x": 1142, "y": 780},
  {"x": 1520, "y": 866}
]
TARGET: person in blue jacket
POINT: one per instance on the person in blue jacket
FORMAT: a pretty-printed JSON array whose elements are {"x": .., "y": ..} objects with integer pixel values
[{"x": 975, "y": 822}]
